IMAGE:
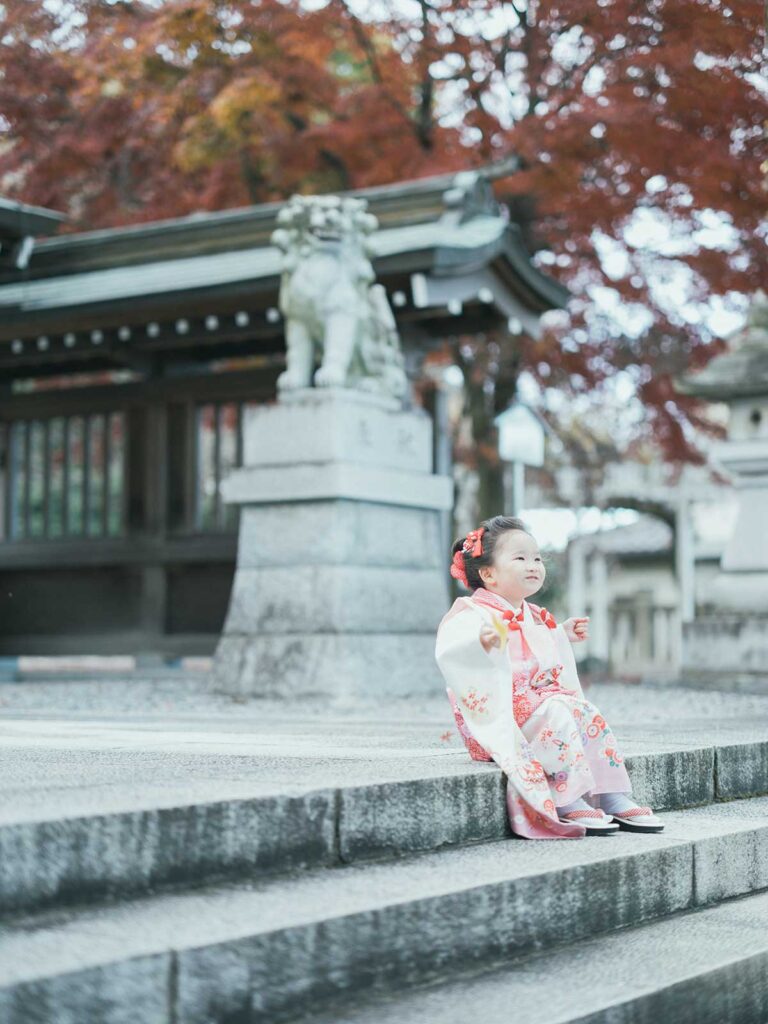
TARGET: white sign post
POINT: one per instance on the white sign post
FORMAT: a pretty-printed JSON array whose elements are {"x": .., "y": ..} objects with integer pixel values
[{"x": 521, "y": 442}]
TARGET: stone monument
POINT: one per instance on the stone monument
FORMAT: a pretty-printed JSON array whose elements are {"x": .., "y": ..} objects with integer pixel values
[
  {"x": 729, "y": 636},
  {"x": 341, "y": 580}
]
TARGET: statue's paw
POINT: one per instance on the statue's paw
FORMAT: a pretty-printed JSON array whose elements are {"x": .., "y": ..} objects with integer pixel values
[
  {"x": 397, "y": 384},
  {"x": 329, "y": 377},
  {"x": 287, "y": 381}
]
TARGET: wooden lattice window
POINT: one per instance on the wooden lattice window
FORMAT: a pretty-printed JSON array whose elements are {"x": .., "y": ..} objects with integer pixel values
[
  {"x": 219, "y": 449},
  {"x": 63, "y": 476}
]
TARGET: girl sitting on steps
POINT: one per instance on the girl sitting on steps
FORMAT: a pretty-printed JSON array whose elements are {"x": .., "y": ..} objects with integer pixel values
[{"x": 516, "y": 696}]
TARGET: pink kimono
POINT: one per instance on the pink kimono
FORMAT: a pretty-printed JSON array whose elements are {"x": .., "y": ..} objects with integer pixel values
[{"x": 521, "y": 705}]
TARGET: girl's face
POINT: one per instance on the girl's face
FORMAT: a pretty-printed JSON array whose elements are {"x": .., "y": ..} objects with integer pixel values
[{"x": 517, "y": 570}]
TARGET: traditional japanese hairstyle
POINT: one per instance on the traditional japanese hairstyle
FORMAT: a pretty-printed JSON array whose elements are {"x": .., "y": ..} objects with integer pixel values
[
  {"x": 474, "y": 551},
  {"x": 472, "y": 545}
]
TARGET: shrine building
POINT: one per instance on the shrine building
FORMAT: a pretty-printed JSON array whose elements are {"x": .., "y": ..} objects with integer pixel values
[{"x": 127, "y": 356}]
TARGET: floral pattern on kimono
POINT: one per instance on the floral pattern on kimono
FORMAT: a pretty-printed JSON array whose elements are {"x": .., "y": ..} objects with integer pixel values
[
  {"x": 576, "y": 746},
  {"x": 511, "y": 707},
  {"x": 526, "y": 697},
  {"x": 577, "y": 749}
]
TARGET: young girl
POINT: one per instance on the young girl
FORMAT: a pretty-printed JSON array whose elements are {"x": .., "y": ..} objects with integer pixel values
[{"x": 515, "y": 693}]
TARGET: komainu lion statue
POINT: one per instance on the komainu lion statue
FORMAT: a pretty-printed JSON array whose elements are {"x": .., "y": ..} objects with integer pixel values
[{"x": 330, "y": 302}]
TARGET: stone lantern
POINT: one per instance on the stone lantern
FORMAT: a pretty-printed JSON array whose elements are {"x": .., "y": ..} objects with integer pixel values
[{"x": 730, "y": 633}]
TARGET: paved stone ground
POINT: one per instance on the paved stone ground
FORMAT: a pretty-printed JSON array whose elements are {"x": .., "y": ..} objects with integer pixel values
[
  {"x": 88, "y": 747},
  {"x": 189, "y": 695}
]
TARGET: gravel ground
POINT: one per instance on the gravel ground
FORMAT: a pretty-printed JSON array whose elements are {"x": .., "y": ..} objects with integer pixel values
[{"x": 190, "y": 697}]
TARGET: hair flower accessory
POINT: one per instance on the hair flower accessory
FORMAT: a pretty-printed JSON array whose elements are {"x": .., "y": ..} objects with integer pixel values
[
  {"x": 472, "y": 545},
  {"x": 458, "y": 570},
  {"x": 474, "y": 541}
]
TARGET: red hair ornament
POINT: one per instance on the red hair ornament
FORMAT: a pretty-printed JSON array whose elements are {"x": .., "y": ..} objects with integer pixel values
[
  {"x": 472, "y": 541},
  {"x": 458, "y": 570}
]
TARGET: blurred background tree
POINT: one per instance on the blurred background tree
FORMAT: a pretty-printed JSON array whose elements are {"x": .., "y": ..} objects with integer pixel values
[{"x": 628, "y": 137}]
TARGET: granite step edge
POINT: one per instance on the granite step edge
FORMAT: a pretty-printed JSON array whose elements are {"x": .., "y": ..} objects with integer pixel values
[
  {"x": 691, "y": 968},
  {"x": 106, "y": 855},
  {"x": 315, "y": 937}
]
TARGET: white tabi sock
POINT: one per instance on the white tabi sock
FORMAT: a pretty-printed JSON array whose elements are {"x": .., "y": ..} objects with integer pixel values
[
  {"x": 577, "y": 805},
  {"x": 615, "y": 803}
]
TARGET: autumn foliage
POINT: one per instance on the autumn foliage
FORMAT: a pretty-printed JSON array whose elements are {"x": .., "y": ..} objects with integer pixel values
[
  {"x": 604, "y": 112},
  {"x": 127, "y": 112}
]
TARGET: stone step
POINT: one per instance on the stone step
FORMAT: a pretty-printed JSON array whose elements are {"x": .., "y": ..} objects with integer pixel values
[
  {"x": 82, "y": 843},
  {"x": 270, "y": 949},
  {"x": 707, "y": 967}
]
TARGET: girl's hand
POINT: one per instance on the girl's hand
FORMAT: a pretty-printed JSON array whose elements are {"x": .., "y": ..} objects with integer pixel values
[
  {"x": 577, "y": 629},
  {"x": 489, "y": 638}
]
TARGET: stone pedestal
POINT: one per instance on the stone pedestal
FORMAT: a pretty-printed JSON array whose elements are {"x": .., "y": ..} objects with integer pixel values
[{"x": 341, "y": 579}]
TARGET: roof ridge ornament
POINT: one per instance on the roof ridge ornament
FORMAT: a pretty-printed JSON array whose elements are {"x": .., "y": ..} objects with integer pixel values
[{"x": 470, "y": 195}]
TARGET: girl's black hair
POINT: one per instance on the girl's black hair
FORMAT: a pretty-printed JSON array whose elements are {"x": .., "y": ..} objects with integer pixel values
[{"x": 494, "y": 529}]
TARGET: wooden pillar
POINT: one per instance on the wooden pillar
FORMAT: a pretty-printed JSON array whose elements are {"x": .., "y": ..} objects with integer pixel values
[
  {"x": 181, "y": 466},
  {"x": 147, "y": 506},
  {"x": 135, "y": 478}
]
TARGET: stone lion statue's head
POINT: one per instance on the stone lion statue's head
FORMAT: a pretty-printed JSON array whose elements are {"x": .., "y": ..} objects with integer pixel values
[{"x": 323, "y": 219}]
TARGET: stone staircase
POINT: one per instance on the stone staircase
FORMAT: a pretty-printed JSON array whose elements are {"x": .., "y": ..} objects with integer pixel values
[{"x": 375, "y": 900}]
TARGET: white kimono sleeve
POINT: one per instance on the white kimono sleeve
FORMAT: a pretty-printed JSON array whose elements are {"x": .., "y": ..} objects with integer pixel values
[{"x": 569, "y": 677}]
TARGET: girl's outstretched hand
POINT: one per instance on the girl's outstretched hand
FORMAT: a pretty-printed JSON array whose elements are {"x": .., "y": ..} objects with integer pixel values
[
  {"x": 489, "y": 638},
  {"x": 494, "y": 634},
  {"x": 577, "y": 629}
]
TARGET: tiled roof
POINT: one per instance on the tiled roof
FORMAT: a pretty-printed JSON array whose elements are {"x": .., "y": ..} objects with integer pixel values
[{"x": 649, "y": 535}]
